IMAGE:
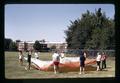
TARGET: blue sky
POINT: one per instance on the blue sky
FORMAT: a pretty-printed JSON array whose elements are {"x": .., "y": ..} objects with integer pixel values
[{"x": 30, "y": 22}]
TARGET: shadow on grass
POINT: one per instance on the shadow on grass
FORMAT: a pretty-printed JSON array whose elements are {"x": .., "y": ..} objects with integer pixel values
[
  {"x": 108, "y": 67},
  {"x": 104, "y": 70},
  {"x": 87, "y": 68}
]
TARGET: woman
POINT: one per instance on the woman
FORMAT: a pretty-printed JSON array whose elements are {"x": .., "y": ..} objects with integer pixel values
[
  {"x": 98, "y": 59},
  {"x": 82, "y": 63},
  {"x": 56, "y": 60},
  {"x": 62, "y": 54},
  {"x": 29, "y": 60},
  {"x": 36, "y": 55},
  {"x": 20, "y": 57},
  {"x": 103, "y": 59}
]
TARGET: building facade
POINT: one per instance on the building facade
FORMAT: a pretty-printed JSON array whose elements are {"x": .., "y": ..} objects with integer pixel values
[
  {"x": 58, "y": 45},
  {"x": 29, "y": 45},
  {"x": 20, "y": 46}
]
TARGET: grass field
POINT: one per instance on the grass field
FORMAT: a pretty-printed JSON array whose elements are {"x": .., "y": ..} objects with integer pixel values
[{"x": 13, "y": 70}]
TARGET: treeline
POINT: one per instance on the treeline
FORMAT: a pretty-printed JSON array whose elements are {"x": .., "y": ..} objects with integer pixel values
[
  {"x": 41, "y": 47},
  {"x": 10, "y": 45},
  {"x": 91, "y": 31}
]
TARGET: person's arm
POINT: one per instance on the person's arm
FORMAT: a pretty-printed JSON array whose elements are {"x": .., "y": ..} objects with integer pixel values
[
  {"x": 85, "y": 58},
  {"x": 96, "y": 57},
  {"x": 53, "y": 57},
  {"x": 80, "y": 57},
  {"x": 100, "y": 57},
  {"x": 106, "y": 56}
]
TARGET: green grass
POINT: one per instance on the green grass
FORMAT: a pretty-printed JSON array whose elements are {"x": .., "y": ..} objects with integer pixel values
[{"x": 13, "y": 70}]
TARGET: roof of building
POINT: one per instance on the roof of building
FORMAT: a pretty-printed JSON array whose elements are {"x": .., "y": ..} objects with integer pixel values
[{"x": 47, "y": 42}]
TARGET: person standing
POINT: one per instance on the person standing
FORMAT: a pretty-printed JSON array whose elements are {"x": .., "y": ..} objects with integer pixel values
[
  {"x": 36, "y": 55},
  {"x": 21, "y": 57},
  {"x": 103, "y": 60},
  {"x": 98, "y": 60},
  {"x": 28, "y": 60},
  {"x": 85, "y": 54},
  {"x": 56, "y": 60},
  {"x": 62, "y": 54},
  {"x": 82, "y": 62}
]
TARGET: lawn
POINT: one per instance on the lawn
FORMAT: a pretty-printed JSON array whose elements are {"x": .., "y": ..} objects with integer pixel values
[{"x": 13, "y": 70}]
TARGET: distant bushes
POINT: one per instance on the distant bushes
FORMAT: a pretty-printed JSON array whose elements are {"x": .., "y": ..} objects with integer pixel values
[{"x": 90, "y": 52}]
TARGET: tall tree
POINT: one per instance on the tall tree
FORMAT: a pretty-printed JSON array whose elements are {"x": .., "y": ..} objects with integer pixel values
[
  {"x": 18, "y": 41},
  {"x": 37, "y": 45},
  {"x": 13, "y": 46},
  {"x": 7, "y": 42},
  {"x": 70, "y": 32},
  {"x": 92, "y": 31}
]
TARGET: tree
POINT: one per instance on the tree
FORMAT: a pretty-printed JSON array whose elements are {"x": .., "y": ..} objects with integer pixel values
[
  {"x": 103, "y": 37},
  {"x": 7, "y": 42},
  {"x": 92, "y": 31},
  {"x": 80, "y": 31},
  {"x": 13, "y": 46},
  {"x": 70, "y": 32},
  {"x": 37, "y": 45},
  {"x": 18, "y": 41}
]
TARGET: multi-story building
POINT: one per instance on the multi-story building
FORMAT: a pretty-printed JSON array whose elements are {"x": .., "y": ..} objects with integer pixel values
[
  {"x": 58, "y": 45},
  {"x": 20, "y": 46},
  {"x": 30, "y": 45}
]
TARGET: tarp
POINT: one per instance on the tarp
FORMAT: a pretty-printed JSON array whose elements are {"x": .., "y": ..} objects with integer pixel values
[{"x": 66, "y": 64}]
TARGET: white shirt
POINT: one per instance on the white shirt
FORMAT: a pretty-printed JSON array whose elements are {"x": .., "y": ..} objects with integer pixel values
[
  {"x": 36, "y": 55},
  {"x": 55, "y": 57},
  {"x": 62, "y": 55},
  {"x": 20, "y": 56},
  {"x": 98, "y": 58}
]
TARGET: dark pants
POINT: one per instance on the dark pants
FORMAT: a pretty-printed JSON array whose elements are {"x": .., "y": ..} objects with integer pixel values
[
  {"x": 103, "y": 64},
  {"x": 29, "y": 63},
  {"x": 98, "y": 64},
  {"x": 82, "y": 64}
]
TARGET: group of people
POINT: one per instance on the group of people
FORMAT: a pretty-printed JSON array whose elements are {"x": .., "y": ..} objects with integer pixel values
[
  {"x": 29, "y": 54},
  {"x": 56, "y": 60},
  {"x": 100, "y": 60}
]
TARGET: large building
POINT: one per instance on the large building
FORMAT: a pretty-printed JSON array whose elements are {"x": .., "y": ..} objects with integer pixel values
[
  {"x": 20, "y": 45},
  {"x": 58, "y": 45},
  {"x": 29, "y": 46}
]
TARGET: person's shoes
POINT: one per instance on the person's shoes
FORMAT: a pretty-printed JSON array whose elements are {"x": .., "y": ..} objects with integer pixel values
[
  {"x": 97, "y": 70},
  {"x": 100, "y": 69},
  {"x": 26, "y": 68},
  {"x": 55, "y": 72}
]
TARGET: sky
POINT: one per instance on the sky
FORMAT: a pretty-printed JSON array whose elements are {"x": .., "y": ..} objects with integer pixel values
[{"x": 30, "y": 22}]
